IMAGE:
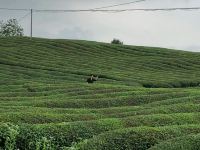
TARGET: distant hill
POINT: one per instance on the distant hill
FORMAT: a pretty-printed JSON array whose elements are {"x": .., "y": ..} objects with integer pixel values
[{"x": 44, "y": 60}]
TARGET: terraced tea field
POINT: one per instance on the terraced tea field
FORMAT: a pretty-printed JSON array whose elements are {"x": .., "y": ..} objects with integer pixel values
[{"x": 145, "y": 98}]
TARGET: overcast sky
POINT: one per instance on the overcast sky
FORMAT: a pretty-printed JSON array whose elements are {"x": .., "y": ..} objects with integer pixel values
[{"x": 178, "y": 29}]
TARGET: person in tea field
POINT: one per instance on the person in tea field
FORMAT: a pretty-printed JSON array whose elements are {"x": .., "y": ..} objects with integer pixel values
[{"x": 92, "y": 79}]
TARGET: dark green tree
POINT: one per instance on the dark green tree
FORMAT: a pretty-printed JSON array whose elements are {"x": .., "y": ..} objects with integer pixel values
[
  {"x": 116, "y": 41},
  {"x": 10, "y": 28}
]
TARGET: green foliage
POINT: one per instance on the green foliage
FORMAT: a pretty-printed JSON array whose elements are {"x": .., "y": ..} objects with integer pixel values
[
  {"x": 115, "y": 64},
  {"x": 116, "y": 41},
  {"x": 8, "y": 134},
  {"x": 10, "y": 28},
  {"x": 43, "y": 144},
  {"x": 29, "y": 88},
  {"x": 189, "y": 142},
  {"x": 64, "y": 134},
  {"x": 144, "y": 97},
  {"x": 141, "y": 138}
]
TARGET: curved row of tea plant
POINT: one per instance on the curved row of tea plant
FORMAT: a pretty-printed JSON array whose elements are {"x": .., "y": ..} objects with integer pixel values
[{"x": 145, "y": 97}]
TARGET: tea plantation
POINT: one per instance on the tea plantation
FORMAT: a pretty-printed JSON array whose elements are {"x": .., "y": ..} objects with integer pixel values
[{"x": 145, "y": 97}]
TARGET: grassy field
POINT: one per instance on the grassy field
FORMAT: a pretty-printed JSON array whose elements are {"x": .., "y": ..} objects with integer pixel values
[{"x": 145, "y": 98}]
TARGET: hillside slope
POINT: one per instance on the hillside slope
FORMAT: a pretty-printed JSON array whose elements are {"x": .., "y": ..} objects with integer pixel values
[
  {"x": 45, "y": 102},
  {"x": 70, "y": 60}
]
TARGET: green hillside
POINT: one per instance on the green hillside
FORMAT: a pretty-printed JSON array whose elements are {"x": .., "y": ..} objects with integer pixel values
[{"x": 145, "y": 97}]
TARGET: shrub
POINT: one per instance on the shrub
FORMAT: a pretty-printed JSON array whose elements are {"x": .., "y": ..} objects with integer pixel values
[
  {"x": 31, "y": 137},
  {"x": 8, "y": 134},
  {"x": 141, "y": 138},
  {"x": 29, "y": 88},
  {"x": 116, "y": 41},
  {"x": 190, "y": 142}
]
